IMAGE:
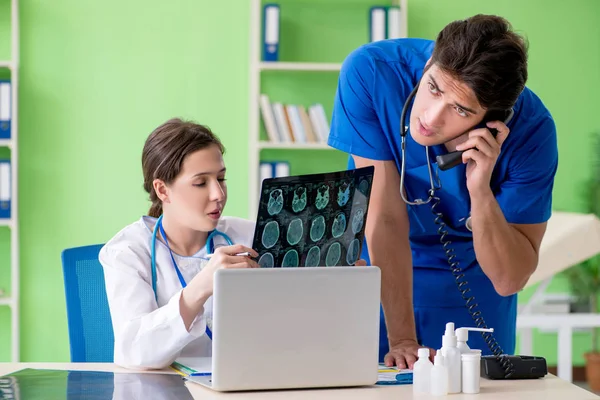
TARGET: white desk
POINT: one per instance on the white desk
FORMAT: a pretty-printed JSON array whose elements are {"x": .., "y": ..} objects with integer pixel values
[{"x": 548, "y": 388}]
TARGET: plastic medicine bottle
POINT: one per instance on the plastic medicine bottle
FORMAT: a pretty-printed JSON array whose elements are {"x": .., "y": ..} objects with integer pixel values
[
  {"x": 439, "y": 376},
  {"x": 422, "y": 372},
  {"x": 451, "y": 355},
  {"x": 471, "y": 369}
]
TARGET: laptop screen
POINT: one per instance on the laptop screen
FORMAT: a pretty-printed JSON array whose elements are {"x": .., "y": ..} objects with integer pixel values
[{"x": 313, "y": 220}]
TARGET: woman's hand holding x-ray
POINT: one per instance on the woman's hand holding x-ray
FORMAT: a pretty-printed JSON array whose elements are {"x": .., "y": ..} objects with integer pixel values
[
  {"x": 481, "y": 152},
  {"x": 200, "y": 288}
]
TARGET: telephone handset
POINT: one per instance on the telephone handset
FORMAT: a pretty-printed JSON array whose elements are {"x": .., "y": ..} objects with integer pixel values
[{"x": 452, "y": 159}]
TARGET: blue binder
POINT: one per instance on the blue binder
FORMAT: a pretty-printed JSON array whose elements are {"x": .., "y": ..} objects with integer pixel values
[
  {"x": 270, "y": 32},
  {"x": 274, "y": 169},
  {"x": 5, "y": 109},
  {"x": 377, "y": 23},
  {"x": 5, "y": 189}
]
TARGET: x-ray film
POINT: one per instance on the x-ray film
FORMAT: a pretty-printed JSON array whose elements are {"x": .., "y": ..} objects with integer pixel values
[{"x": 313, "y": 220}]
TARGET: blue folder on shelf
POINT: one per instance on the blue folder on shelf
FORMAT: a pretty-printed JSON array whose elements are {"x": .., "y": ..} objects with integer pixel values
[
  {"x": 5, "y": 109},
  {"x": 270, "y": 32},
  {"x": 5, "y": 189}
]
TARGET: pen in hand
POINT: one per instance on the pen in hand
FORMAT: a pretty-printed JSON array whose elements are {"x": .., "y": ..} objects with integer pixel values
[{"x": 244, "y": 254}]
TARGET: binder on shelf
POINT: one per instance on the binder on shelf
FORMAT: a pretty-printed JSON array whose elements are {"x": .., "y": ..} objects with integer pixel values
[
  {"x": 308, "y": 130},
  {"x": 274, "y": 169},
  {"x": 394, "y": 22},
  {"x": 281, "y": 122},
  {"x": 377, "y": 23},
  {"x": 5, "y": 195},
  {"x": 319, "y": 122},
  {"x": 271, "y": 22},
  {"x": 268, "y": 117},
  {"x": 296, "y": 123},
  {"x": 5, "y": 109}
]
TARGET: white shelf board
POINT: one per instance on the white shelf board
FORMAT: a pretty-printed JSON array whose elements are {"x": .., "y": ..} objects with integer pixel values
[
  {"x": 294, "y": 146},
  {"x": 6, "y": 221},
  {"x": 5, "y": 301},
  {"x": 5, "y": 64},
  {"x": 6, "y": 143},
  {"x": 299, "y": 66}
]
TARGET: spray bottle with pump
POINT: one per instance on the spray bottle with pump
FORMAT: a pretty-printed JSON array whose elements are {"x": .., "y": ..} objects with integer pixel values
[
  {"x": 452, "y": 359},
  {"x": 462, "y": 335}
]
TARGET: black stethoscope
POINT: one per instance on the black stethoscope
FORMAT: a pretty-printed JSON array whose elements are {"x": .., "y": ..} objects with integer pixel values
[
  {"x": 433, "y": 185},
  {"x": 403, "y": 130}
]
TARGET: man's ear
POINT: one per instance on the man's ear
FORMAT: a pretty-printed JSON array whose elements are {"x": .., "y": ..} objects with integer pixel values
[{"x": 161, "y": 189}]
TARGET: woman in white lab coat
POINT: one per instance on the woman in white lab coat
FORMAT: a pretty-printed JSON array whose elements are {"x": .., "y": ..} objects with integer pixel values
[{"x": 159, "y": 277}]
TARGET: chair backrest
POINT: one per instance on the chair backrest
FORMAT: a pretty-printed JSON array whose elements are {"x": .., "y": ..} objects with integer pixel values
[{"x": 91, "y": 336}]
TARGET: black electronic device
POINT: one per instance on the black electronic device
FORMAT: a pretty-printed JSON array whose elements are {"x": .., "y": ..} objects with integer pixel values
[{"x": 525, "y": 367}]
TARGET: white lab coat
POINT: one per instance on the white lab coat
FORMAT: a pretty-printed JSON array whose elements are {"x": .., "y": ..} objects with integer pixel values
[{"x": 147, "y": 335}]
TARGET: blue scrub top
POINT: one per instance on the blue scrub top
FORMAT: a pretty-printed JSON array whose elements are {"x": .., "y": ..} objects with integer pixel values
[{"x": 374, "y": 82}]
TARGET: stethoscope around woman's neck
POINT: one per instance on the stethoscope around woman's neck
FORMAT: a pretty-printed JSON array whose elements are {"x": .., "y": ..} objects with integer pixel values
[{"x": 210, "y": 248}]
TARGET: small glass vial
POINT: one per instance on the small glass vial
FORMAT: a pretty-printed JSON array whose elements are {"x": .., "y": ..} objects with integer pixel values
[{"x": 471, "y": 370}]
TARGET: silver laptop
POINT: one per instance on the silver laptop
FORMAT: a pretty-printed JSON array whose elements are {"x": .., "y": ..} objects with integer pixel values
[{"x": 284, "y": 328}]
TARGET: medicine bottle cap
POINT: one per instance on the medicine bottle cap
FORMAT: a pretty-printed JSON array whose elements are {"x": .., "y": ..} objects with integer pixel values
[{"x": 423, "y": 352}]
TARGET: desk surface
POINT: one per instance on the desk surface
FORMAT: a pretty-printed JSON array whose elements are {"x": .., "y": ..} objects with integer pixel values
[{"x": 549, "y": 388}]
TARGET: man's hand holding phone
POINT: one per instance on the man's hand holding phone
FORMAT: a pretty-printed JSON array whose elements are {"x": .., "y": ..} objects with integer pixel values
[{"x": 480, "y": 155}]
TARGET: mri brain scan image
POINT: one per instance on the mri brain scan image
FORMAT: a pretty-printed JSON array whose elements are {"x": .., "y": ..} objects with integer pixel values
[
  {"x": 322, "y": 198},
  {"x": 339, "y": 225},
  {"x": 294, "y": 232},
  {"x": 343, "y": 194},
  {"x": 363, "y": 186},
  {"x": 270, "y": 234},
  {"x": 313, "y": 257},
  {"x": 275, "y": 204},
  {"x": 300, "y": 199},
  {"x": 357, "y": 221},
  {"x": 333, "y": 254},
  {"x": 290, "y": 259},
  {"x": 313, "y": 220},
  {"x": 352, "y": 254},
  {"x": 317, "y": 228},
  {"x": 266, "y": 261}
]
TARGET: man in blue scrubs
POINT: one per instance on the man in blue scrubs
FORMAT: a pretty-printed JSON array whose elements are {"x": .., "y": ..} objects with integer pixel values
[{"x": 475, "y": 68}]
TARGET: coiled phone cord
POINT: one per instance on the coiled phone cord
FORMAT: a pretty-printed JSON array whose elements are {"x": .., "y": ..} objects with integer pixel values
[{"x": 462, "y": 284}]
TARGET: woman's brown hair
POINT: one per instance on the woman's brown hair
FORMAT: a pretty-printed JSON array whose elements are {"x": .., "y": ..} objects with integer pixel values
[{"x": 165, "y": 151}]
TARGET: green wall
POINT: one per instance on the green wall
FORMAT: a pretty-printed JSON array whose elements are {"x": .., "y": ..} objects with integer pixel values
[{"x": 97, "y": 77}]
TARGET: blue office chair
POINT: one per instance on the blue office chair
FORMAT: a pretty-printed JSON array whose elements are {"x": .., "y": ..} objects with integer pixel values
[{"x": 91, "y": 336}]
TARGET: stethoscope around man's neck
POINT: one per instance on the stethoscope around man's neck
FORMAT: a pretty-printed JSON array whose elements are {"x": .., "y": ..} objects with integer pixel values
[
  {"x": 403, "y": 130},
  {"x": 210, "y": 248}
]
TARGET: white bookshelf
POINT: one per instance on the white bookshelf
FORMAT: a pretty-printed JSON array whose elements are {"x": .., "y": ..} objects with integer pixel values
[
  {"x": 12, "y": 301},
  {"x": 299, "y": 66},
  {"x": 297, "y": 146},
  {"x": 257, "y": 68}
]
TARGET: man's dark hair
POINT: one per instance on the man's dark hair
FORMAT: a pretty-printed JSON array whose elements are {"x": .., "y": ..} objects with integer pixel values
[{"x": 484, "y": 52}]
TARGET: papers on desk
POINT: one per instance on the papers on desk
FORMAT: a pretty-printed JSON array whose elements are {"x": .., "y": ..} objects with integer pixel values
[
  {"x": 202, "y": 366},
  {"x": 394, "y": 376},
  {"x": 193, "y": 366}
]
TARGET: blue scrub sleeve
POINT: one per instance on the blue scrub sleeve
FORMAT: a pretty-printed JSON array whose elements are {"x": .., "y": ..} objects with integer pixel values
[
  {"x": 355, "y": 127},
  {"x": 526, "y": 196}
]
